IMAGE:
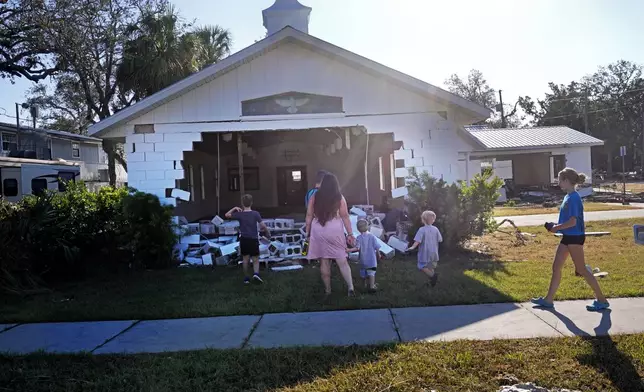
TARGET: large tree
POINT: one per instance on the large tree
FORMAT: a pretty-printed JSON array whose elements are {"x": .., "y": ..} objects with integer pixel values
[
  {"x": 91, "y": 41},
  {"x": 607, "y": 104},
  {"x": 162, "y": 49},
  {"x": 23, "y": 52},
  {"x": 477, "y": 89}
]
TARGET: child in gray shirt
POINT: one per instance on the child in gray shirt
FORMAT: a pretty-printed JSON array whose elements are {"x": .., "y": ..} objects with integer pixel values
[
  {"x": 368, "y": 247},
  {"x": 428, "y": 237}
]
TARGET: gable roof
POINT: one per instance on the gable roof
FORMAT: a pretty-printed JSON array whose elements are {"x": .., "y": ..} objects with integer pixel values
[
  {"x": 288, "y": 34},
  {"x": 531, "y": 138},
  {"x": 6, "y": 127}
]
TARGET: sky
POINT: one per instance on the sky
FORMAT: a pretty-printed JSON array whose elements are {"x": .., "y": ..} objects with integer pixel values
[{"x": 519, "y": 46}]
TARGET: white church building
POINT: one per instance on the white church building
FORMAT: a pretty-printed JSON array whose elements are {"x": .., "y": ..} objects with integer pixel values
[{"x": 287, "y": 106}]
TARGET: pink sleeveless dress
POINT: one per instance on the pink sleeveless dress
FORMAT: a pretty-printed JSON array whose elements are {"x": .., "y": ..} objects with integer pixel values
[{"x": 328, "y": 241}]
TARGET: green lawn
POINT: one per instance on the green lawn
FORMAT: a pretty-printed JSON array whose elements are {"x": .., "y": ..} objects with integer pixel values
[
  {"x": 602, "y": 364},
  {"x": 497, "y": 272}
]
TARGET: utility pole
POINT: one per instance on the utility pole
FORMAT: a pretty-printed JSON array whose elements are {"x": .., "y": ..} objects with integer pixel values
[
  {"x": 502, "y": 111},
  {"x": 586, "y": 131},
  {"x": 642, "y": 154},
  {"x": 18, "y": 126}
]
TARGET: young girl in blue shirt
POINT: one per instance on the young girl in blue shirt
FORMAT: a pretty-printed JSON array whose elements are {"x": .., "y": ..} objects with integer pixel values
[{"x": 571, "y": 226}]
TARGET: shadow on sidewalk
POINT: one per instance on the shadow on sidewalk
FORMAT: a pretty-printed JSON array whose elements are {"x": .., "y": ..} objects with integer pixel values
[{"x": 606, "y": 356}]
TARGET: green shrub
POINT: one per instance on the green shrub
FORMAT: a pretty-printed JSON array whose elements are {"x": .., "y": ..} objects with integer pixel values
[
  {"x": 510, "y": 204},
  {"x": 462, "y": 211},
  {"x": 76, "y": 233},
  {"x": 146, "y": 231}
]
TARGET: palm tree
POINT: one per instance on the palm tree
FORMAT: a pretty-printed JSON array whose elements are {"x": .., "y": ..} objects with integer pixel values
[{"x": 162, "y": 52}]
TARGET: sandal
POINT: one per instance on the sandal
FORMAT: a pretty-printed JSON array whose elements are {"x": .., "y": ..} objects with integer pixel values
[
  {"x": 542, "y": 303},
  {"x": 596, "y": 306}
]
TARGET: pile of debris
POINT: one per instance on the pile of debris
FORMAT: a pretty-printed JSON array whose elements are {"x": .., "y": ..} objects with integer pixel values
[
  {"x": 215, "y": 241},
  {"x": 530, "y": 387}
]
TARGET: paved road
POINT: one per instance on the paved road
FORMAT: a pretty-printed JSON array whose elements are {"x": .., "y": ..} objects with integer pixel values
[
  {"x": 538, "y": 220},
  {"x": 341, "y": 328}
]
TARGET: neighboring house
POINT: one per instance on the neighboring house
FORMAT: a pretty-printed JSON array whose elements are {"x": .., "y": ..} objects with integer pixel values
[
  {"x": 51, "y": 145},
  {"x": 283, "y": 108},
  {"x": 534, "y": 156}
]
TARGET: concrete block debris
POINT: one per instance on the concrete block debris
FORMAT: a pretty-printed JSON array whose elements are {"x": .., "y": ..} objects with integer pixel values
[
  {"x": 376, "y": 221},
  {"x": 228, "y": 228},
  {"x": 397, "y": 244},
  {"x": 207, "y": 228},
  {"x": 222, "y": 260},
  {"x": 194, "y": 260},
  {"x": 367, "y": 208},
  {"x": 282, "y": 224},
  {"x": 217, "y": 221},
  {"x": 387, "y": 251},
  {"x": 208, "y": 246},
  {"x": 180, "y": 194},
  {"x": 276, "y": 247},
  {"x": 355, "y": 257},
  {"x": 287, "y": 268},
  {"x": 230, "y": 249},
  {"x": 207, "y": 259},
  {"x": 193, "y": 228},
  {"x": 226, "y": 239},
  {"x": 191, "y": 239},
  {"x": 530, "y": 387},
  {"x": 377, "y": 231},
  {"x": 358, "y": 212},
  {"x": 293, "y": 250}
]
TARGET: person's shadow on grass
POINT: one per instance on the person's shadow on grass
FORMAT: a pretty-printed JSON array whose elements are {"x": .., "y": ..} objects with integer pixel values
[{"x": 606, "y": 355}]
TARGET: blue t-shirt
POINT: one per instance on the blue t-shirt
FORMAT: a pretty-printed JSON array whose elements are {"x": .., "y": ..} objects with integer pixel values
[
  {"x": 572, "y": 206},
  {"x": 308, "y": 196},
  {"x": 248, "y": 221},
  {"x": 368, "y": 247}
]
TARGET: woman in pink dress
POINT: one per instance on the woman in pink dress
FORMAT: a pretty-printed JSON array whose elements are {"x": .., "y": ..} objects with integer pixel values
[{"x": 327, "y": 217}]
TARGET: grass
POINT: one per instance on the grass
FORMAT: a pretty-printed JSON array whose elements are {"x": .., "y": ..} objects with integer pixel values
[
  {"x": 590, "y": 364},
  {"x": 538, "y": 210},
  {"x": 495, "y": 271}
]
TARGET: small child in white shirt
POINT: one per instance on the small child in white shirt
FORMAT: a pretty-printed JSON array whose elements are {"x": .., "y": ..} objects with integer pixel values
[{"x": 428, "y": 237}]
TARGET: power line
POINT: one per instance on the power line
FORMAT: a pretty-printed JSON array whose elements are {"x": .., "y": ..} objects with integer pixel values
[{"x": 593, "y": 111}]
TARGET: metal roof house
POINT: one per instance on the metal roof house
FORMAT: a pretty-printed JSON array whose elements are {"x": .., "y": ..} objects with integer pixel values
[
  {"x": 53, "y": 145},
  {"x": 534, "y": 155}
]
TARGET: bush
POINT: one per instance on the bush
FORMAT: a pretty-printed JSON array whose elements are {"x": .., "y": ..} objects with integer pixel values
[
  {"x": 462, "y": 211},
  {"x": 70, "y": 235}
]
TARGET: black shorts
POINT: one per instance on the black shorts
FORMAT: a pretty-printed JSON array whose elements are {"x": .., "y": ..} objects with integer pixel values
[
  {"x": 249, "y": 246},
  {"x": 573, "y": 239}
]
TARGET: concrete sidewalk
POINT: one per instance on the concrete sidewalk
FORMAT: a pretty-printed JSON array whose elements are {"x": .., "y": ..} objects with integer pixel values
[
  {"x": 338, "y": 328},
  {"x": 539, "y": 220}
]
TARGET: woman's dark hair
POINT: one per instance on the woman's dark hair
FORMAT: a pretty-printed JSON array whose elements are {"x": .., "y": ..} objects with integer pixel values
[{"x": 327, "y": 199}]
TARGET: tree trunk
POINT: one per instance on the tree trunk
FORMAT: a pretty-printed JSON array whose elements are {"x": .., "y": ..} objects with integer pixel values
[{"x": 110, "y": 150}]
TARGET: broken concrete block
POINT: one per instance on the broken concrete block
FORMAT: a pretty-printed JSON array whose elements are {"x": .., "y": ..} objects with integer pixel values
[
  {"x": 263, "y": 250},
  {"x": 229, "y": 228},
  {"x": 207, "y": 228},
  {"x": 217, "y": 221},
  {"x": 354, "y": 224},
  {"x": 399, "y": 192},
  {"x": 358, "y": 212},
  {"x": 275, "y": 247},
  {"x": 386, "y": 250},
  {"x": 291, "y": 251},
  {"x": 194, "y": 260},
  {"x": 207, "y": 259},
  {"x": 191, "y": 239},
  {"x": 376, "y": 221},
  {"x": 227, "y": 239},
  {"x": 287, "y": 268},
  {"x": 180, "y": 194},
  {"x": 284, "y": 223},
  {"x": 229, "y": 249},
  {"x": 303, "y": 230},
  {"x": 638, "y": 234},
  {"x": 222, "y": 260},
  {"x": 367, "y": 208},
  {"x": 397, "y": 244},
  {"x": 377, "y": 231},
  {"x": 193, "y": 228},
  {"x": 210, "y": 247}
]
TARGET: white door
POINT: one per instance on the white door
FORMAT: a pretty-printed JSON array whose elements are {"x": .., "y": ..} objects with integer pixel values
[{"x": 11, "y": 188}]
